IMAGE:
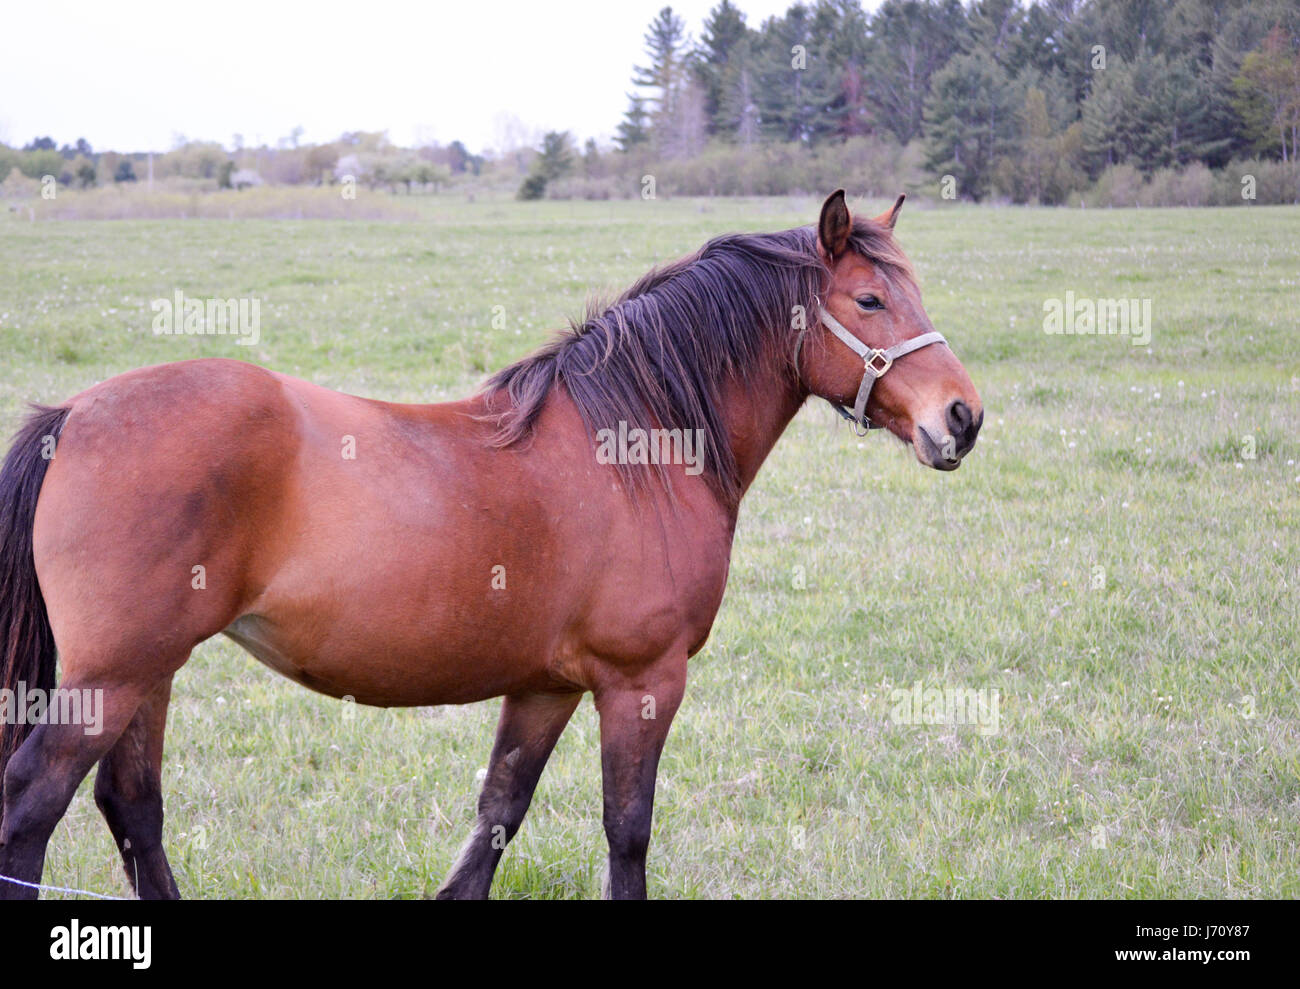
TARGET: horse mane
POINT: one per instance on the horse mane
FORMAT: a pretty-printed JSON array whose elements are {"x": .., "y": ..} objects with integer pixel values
[{"x": 658, "y": 355}]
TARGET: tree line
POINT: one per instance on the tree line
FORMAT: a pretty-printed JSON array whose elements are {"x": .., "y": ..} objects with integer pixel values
[
  {"x": 1027, "y": 101},
  {"x": 367, "y": 157}
]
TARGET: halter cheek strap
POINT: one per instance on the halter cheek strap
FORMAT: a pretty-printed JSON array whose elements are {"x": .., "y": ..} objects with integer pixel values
[{"x": 875, "y": 363}]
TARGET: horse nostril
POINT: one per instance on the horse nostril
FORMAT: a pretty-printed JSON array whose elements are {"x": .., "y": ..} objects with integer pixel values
[
  {"x": 963, "y": 426},
  {"x": 959, "y": 419}
]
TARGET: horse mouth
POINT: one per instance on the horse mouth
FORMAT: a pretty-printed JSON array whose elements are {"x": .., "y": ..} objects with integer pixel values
[{"x": 931, "y": 453}]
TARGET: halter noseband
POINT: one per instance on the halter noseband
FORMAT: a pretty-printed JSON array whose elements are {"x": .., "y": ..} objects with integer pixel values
[{"x": 874, "y": 365}]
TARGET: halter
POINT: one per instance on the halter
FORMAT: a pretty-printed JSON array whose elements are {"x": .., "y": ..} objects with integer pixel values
[{"x": 875, "y": 363}]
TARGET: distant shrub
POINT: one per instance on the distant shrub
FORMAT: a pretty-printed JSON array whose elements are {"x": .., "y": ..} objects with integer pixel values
[
  {"x": 1190, "y": 186},
  {"x": 874, "y": 167},
  {"x": 19, "y": 186},
  {"x": 596, "y": 187},
  {"x": 1118, "y": 185},
  {"x": 34, "y": 164},
  {"x": 533, "y": 186},
  {"x": 1274, "y": 183},
  {"x": 130, "y": 201}
]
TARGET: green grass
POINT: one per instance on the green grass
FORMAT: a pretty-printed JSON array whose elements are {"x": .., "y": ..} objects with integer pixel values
[{"x": 1149, "y": 744}]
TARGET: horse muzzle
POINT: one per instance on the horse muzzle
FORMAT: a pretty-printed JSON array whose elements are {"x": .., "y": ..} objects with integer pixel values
[{"x": 943, "y": 449}]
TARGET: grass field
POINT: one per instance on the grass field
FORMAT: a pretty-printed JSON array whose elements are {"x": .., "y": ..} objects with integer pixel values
[{"x": 1110, "y": 559}]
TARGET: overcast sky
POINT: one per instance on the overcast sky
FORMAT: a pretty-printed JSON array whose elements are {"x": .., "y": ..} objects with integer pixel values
[{"x": 131, "y": 77}]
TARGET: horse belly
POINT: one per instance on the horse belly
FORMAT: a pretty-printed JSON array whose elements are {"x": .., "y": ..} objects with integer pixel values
[
  {"x": 400, "y": 614},
  {"x": 373, "y": 666}
]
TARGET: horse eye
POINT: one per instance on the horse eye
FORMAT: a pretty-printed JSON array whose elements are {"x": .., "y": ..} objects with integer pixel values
[{"x": 869, "y": 303}]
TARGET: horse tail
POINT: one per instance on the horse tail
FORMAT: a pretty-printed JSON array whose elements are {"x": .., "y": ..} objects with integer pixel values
[{"x": 27, "y": 654}]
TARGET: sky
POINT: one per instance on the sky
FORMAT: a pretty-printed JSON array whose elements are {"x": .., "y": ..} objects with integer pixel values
[{"x": 137, "y": 76}]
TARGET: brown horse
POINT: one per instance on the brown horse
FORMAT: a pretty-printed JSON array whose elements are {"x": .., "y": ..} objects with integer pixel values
[{"x": 442, "y": 554}]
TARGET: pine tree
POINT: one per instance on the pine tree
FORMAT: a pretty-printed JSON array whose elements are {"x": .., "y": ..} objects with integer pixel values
[
  {"x": 1196, "y": 134},
  {"x": 794, "y": 80},
  {"x": 909, "y": 43},
  {"x": 1145, "y": 113},
  {"x": 970, "y": 122},
  {"x": 590, "y": 158},
  {"x": 725, "y": 37},
  {"x": 634, "y": 129},
  {"x": 556, "y": 156},
  {"x": 554, "y": 160},
  {"x": 665, "y": 76},
  {"x": 845, "y": 49},
  {"x": 1039, "y": 43},
  {"x": 1129, "y": 27},
  {"x": 993, "y": 27},
  {"x": 1106, "y": 131}
]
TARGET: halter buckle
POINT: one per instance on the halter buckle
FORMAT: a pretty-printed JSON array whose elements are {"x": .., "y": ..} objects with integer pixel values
[{"x": 870, "y": 365}]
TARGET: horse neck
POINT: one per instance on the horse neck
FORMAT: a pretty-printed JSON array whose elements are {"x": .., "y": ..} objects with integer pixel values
[{"x": 757, "y": 411}]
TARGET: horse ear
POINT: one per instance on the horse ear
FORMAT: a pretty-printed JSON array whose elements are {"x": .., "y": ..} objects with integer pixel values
[
  {"x": 834, "y": 227},
  {"x": 890, "y": 218}
]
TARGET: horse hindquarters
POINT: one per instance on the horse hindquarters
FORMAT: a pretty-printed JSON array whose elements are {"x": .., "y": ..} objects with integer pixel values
[
  {"x": 40, "y": 764},
  {"x": 138, "y": 551}
]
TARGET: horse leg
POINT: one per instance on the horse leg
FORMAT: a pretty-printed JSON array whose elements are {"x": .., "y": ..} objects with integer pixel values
[
  {"x": 43, "y": 775},
  {"x": 128, "y": 791},
  {"x": 634, "y": 719},
  {"x": 529, "y": 727}
]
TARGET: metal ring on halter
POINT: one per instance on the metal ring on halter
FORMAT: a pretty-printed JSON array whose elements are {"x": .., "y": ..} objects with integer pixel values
[{"x": 870, "y": 366}]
